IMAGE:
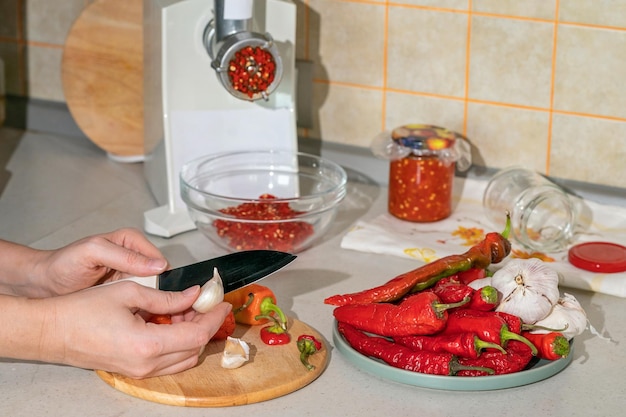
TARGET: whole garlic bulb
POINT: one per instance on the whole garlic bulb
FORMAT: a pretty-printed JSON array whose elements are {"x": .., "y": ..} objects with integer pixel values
[
  {"x": 528, "y": 288},
  {"x": 567, "y": 314}
]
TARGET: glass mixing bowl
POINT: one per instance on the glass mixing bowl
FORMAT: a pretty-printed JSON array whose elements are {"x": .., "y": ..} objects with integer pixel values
[{"x": 277, "y": 200}]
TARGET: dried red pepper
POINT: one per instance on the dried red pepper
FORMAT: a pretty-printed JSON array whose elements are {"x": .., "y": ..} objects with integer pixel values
[
  {"x": 421, "y": 313},
  {"x": 492, "y": 249},
  {"x": 273, "y": 234},
  {"x": 463, "y": 345},
  {"x": 487, "y": 325},
  {"x": 517, "y": 357},
  {"x": 307, "y": 346},
  {"x": 252, "y": 70},
  {"x": 551, "y": 346},
  {"x": 403, "y": 357}
]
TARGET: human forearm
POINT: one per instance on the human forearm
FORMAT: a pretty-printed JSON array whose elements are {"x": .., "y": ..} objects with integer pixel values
[
  {"x": 25, "y": 333},
  {"x": 18, "y": 266}
]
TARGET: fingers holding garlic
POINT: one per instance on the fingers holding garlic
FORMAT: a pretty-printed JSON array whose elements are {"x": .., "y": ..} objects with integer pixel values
[{"x": 211, "y": 294}]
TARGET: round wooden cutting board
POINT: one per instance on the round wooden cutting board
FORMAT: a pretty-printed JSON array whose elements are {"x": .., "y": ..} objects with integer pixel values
[
  {"x": 272, "y": 371},
  {"x": 102, "y": 71}
]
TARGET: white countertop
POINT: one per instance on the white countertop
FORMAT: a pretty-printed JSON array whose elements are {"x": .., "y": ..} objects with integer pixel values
[{"x": 55, "y": 190}]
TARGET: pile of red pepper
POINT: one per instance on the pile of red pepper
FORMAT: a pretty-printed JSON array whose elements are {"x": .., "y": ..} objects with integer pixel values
[
  {"x": 430, "y": 320},
  {"x": 252, "y": 70},
  {"x": 270, "y": 233}
]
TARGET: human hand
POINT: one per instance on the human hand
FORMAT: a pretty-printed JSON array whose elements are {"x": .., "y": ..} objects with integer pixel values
[
  {"x": 97, "y": 259},
  {"x": 104, "y": 328}
]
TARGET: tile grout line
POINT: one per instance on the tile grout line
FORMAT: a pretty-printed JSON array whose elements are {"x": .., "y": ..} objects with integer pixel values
[
  {"x": 555, "y": 35},
  {"x": 468, "y": 59}
]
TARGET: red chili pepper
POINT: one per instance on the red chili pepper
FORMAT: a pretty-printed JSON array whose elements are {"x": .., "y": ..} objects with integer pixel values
[
  {"x": 472, "y": 274},
  {"x": 308, "y": 345},
  {"x": 227, "y": 328},
  {"x": 403, "y": 357},
  {"x": 420, "y": 313},
  {"x": 485, "y": 299},
  {"x": 492, "y": 249},
  {"x": 464, "y": 345},
  {"x": 271, "y": 335},
  {"x": 517, "y": 357},
  {"x": 486, "y": 324},
  {"x": 160, "y": 319},
  {"x": 451, "y": 290},
  {"x": 282, "y": 236},
  {"x": 551, "y": 346}
]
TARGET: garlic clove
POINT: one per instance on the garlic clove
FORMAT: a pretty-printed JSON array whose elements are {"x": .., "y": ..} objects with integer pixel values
[
  {"x": 236, "y": 353},
  {"x": 211, "y": 294},
  {"x": 567, "y": 314}
]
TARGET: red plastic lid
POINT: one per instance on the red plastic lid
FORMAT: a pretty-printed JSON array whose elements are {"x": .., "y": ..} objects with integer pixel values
[{"x": 598, "y": 257}]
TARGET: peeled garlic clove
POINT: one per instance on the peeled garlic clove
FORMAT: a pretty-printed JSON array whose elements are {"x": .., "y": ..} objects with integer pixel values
[
  {"x": 568, "y": 314},
  {"x": 529, "y": 288},
  {"x": 211, "y": 294},
  {"x": 236, "y": 353}
]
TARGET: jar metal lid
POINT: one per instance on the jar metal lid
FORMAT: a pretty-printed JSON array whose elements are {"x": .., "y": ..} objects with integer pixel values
[
  {"x": 423, "y": 141},
  {"x": 598, "y": 257},
  {"x": 420, "y": 137}
]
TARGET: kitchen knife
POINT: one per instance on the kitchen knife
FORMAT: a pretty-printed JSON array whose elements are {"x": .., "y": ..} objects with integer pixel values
[{"x": 236, "y": 270}]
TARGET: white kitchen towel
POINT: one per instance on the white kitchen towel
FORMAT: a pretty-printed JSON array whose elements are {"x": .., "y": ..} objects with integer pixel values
[{"x": 426, "y": 242}]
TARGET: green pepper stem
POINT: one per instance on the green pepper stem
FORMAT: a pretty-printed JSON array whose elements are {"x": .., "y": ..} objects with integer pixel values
[
  {"x": 267, "y": 307},
  {"x": 482, "y": 345},
  {"x": 277, "y": 326},
  {"x": 439, "y": 308},
  {"x": 537, "y": 327},
  {"x": 506, "y": 335},
  {"x": 507, "y": 228},
  {"x": 560, "y": 346},
  {"x": 489, "y": 294},
  {"x": 456, "y": 367},
  {"x": 306, "y": 348},
  {"x": 245, "y": 305}
]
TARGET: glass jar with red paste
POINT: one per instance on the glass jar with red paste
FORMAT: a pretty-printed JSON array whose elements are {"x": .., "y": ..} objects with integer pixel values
[{"x": 423, "y": 161}]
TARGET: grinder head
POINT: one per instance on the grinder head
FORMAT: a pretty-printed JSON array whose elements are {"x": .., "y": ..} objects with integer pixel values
[{"x": 247, "y": 63}]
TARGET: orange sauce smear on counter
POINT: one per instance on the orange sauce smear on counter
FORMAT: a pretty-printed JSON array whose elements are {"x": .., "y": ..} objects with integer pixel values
[{"x": 420, "y": 188}]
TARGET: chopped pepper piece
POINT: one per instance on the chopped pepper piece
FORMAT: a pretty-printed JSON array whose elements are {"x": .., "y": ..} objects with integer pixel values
[{"x": 307, "y": 346}]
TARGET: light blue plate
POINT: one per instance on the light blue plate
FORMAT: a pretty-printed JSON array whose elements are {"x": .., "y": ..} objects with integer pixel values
[{"x": 541, "y": 370}]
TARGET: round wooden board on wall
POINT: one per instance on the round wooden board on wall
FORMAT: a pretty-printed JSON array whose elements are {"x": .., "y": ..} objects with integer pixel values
[{"x": 102, "y": 72}]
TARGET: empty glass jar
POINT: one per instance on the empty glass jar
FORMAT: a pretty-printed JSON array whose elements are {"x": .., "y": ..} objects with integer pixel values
[{"x": 542, "y": 214}]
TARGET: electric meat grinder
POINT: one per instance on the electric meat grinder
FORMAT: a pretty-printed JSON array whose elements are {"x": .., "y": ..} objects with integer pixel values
[{"x": 218, "y": 77}]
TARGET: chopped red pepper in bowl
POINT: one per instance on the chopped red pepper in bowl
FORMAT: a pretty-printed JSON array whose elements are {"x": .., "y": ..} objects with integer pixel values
[{"x": 276, "y": 200}]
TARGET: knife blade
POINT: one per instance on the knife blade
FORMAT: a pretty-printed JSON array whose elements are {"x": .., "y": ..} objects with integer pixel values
[{"x": 236, "y": 269}]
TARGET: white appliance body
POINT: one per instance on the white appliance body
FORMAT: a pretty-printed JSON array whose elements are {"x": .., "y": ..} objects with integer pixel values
[{"x": 188, "y": 113}]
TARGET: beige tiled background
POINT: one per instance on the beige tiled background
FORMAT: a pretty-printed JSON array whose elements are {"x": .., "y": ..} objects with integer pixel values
[{"x": 540, "y": 83}]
